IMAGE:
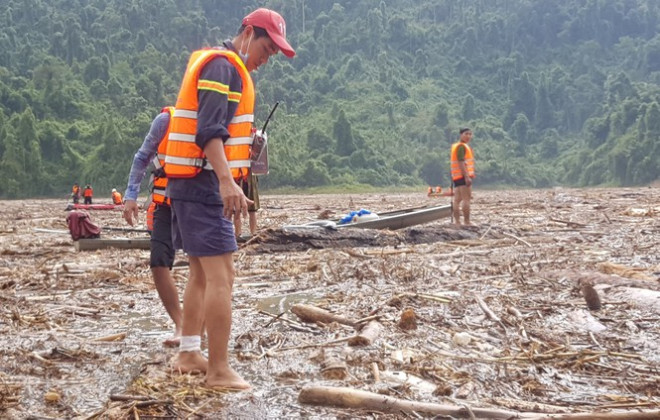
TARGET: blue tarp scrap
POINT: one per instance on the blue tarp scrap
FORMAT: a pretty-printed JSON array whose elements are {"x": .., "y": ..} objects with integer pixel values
[{"x": 349, "y": 217}]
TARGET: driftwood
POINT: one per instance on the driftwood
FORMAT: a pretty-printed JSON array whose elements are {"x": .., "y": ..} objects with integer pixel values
[
  {"x": 354, "y": 398},
  {"x": 332, "y": 367},
  {"x": 484, "y": 307},
  {"x": 94, "y": 244},
  {"x": 367, "y": 336},
  {"x": 113, "y": 337},
  {"x": 628, "y": 415},
  {"x": 288, "y": 240},
  {"x": 309, "y": 313}
]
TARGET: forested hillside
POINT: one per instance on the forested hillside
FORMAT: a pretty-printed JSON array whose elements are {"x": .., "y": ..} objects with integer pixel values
[{"x": 556, "y": 91}]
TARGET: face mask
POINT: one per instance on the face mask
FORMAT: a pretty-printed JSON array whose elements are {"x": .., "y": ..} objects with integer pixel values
[{"x": 244, "y": 56}]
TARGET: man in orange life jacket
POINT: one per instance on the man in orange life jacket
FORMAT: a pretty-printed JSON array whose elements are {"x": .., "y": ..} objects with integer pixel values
[
  {"x": 88, "y": 193},
  {"x": 116, "y": 197},
  {"x": 75, "y": 193},
  {"x": 162, "y": 251},
  {"x": 462, "y": 173},
  {"x": 209, "y": 144}
]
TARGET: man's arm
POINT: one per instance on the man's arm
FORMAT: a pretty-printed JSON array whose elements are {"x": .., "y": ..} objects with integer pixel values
[
  {"x": 217, "y": 79},
  {"x": 141, "y": 160}
]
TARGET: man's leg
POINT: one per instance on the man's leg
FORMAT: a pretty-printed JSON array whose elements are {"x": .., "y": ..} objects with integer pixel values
[
  {"x": 456, "y": 208},
  {"x": 238, "y": 228},
  {"x": 169, "y": 295},
  {"x": 466, "y": 205},
  {"x": 162, "y": 260},
  {"x": 219, "y": 273},
  {"x": 193, "y": 316},
  {"x": 253, "y": 222}
]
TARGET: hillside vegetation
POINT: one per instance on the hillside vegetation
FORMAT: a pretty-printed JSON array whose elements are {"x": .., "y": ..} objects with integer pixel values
[{"x": 556, "y": 91}]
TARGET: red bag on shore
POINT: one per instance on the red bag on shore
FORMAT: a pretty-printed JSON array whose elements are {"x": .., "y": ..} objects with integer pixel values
[{"x": 81, "y": 226}]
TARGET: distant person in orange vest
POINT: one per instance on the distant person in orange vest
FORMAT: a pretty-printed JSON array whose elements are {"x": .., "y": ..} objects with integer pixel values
[
  {"x": 159, "y": 216},
  {"x": 75, "y": 193},
  {"x": 209, "y": 143},
  {"x": 116, "y": 197},
  {"x": 88, "y": 193},
  {"x": 462, "y": 173}
]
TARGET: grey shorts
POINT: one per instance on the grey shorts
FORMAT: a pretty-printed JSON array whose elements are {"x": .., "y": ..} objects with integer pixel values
[
  {"x": 201, "y": 230},
  {"x": 162, "y": 250}
]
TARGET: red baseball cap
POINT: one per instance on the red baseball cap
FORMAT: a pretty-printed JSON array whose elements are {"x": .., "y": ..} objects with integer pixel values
[{"x": 274, "y": 24}]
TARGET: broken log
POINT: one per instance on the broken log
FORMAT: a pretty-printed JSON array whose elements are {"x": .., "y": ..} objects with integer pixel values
[
  {"x": 367, "y": 335},
  {"x": 355, "y": 398},
  {"x": 624, "y": 415},
  {"x": 332, "y": 367},
  {"x": 312, "y": 314},
  {"x": 94, "y": 244},
  {"x": 294, "y": 240}
]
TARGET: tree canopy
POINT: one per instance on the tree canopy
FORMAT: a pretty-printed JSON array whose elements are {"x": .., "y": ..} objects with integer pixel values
[{"x": 555, "y": 91}]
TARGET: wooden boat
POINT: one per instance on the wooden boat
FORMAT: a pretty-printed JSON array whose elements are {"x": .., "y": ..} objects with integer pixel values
[
  {"x": 400, "y": 219},
  {"x": 94, "y": 206}
]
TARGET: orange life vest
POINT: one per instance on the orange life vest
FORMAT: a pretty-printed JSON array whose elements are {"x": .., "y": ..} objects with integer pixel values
[
  {"x": 116, "y": 197},
  {"x": 88, "y": 192},
  {"x": 184, "y": 159},
  {"x": 160, "y": 182},
  {"x": 469, "y": 161},
  {"x": 150, "y": 216},
  {"x": 75, "y": 190}
]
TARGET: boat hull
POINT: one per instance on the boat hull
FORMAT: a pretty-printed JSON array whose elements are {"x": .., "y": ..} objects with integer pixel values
[{"x": 402, "y": 219}]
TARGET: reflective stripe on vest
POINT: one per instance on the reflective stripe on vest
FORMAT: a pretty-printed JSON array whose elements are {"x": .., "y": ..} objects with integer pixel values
[
  {"x": 184, "y": 158},
  {"x": 160, "y": 182},
  {"x": 469, "y": 161}
]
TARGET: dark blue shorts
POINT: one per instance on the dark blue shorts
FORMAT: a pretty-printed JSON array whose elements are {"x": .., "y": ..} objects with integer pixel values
[
  {"x": 162, "y": 250},
  {"x": 459, "y": 182},
  {"x": 201, "y": 230}
]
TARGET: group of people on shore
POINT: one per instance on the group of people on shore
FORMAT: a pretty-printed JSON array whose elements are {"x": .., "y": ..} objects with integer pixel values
[
  {"x": 88, "y": 194},
  {"x": 203, "y": 188}
]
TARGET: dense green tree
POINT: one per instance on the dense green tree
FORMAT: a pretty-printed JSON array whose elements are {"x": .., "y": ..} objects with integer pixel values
[
  {"x": 556, "y": 91},
  {"x": 343, "y": 135}
]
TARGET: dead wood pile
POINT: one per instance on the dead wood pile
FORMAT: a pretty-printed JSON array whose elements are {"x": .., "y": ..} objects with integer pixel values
[{"x": 489, "y": 318}]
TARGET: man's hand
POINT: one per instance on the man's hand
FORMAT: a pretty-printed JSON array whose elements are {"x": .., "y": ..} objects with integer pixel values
[
  {"x": 468, "y": 181},
  {"x": 130, "y": 211},
  {"x": 233, "y": 199}
]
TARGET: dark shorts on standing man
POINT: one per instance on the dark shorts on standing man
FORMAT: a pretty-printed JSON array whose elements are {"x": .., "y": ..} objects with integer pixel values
[
  {"x": 459, "y": 182},
  {"x": 162, "y": 250},
  {"x": 201, "y": 230}
]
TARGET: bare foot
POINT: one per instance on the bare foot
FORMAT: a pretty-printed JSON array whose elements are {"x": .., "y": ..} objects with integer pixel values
[
  {"x": 226, "y": 378},
  {"x": 190, "y": 362}
]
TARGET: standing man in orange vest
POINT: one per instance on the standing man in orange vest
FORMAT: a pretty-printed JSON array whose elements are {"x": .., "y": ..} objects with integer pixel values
[
  {"x": 208, "y": 147},
  {"x": 162, "y": 251},
  {"x": 88, "y": 194},
  {"x": 75, "y": 193},
  {"x": 462, "y": 173}
]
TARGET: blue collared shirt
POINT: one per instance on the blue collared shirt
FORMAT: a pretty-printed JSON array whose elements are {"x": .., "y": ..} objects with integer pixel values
[{"x": 146, "y": 154}]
